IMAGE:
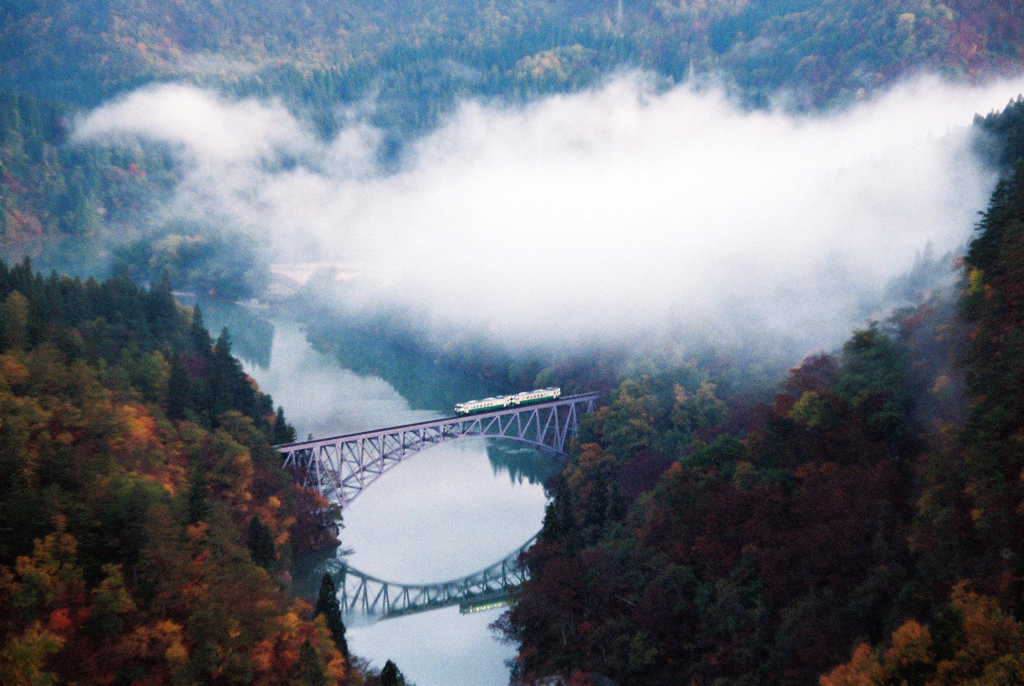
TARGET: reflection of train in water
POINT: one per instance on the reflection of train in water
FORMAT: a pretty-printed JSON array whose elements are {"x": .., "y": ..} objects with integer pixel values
[{"x": 504, "y": 401}]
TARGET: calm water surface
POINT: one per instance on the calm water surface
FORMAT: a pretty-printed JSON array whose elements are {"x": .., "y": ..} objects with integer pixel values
[{"x": 445, "y": 513}]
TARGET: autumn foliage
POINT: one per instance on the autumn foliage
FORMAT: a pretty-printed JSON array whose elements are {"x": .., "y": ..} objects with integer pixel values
[
  {"x": 867, "y": 516},
  {"x": 134, "y": 458}
]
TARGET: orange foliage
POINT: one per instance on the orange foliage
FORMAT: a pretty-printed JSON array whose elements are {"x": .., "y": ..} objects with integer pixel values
[
  {"x": 989, "y": 650},
  {"x": 138, "y": 428},
  {"x": 862, "y": 670},
  {"x": 60, "y": 622},
  {"x": 12, "y": 371}
]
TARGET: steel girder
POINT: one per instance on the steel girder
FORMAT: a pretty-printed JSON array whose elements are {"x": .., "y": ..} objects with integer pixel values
[
  {"x": 340, "y": 467},
  {"x": 361, "y": 593}
]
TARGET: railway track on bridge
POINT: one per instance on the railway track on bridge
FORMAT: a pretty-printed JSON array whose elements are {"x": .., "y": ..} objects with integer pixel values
[{"x": 341, "y": 467}]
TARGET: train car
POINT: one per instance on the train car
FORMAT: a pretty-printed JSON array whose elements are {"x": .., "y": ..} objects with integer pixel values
[{"x": 501, "y": 402}]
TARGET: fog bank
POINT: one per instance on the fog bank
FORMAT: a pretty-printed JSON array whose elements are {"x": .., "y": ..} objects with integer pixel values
[{"x": 596, "y": 216}]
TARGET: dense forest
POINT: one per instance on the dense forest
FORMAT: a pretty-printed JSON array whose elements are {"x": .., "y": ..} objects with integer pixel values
[
  {"x": 429, "y": 49},
  {"x": 402, "y": 66},
  {"x": 145, "y": 525},
  {"x": 868, "y": 516},
  {"x": 858, "y": 522}
]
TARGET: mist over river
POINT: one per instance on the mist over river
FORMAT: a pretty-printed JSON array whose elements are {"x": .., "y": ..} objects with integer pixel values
[{"x": 442, "y": 514}]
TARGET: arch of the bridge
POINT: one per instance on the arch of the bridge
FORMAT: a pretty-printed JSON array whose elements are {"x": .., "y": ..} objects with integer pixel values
[
  {"x": 341, "y": 467},
  {"x": 362, "y": 593}
]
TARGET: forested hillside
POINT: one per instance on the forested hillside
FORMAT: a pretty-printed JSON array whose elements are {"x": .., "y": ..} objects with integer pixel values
[
  {"x": 49, "y": 187},
  {"x": 402, "y": 66},
  {"x": 874, "y": 502},
  {"x": 862, "y": 525},
  {"x": 145, "y": 526},
  {"x": 831, "y": 49}
]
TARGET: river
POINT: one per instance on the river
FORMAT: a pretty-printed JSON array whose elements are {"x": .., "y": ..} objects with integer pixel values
[{"x": 445, "y": 513}]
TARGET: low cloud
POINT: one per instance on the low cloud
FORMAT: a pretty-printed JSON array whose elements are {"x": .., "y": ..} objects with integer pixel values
[{"x": 601, "y": 215}]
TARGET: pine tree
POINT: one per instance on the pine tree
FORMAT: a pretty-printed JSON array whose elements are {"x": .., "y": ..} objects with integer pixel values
[
  {"x": 161, "y": 309},
  {"x": 178, "y": 392},
  {"x": 261, "y": 544},
  {"x": 196, "y": 506},
  {"x": 550, "y": 529},
  {"x": 597, "y": 506},
  {"x": 327, "y": 605},
  {"x": 311, "y": 669},
  {"x": 14, "y": 321},
  {"x": 617, "y": 505},
  {"x": 390, "y": 676},
  {"x": 199, "y": 336},
  {"x": 283, "y": 431},
  {"x": 230, "y": 387}
]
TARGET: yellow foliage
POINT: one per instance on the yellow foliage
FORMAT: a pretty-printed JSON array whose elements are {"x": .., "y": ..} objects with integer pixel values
[
  {"x": 12, "y": 371},
  {"x": 990, "y": 651},
  {"x": 336, "y": 670},
  {"x": 592, "y": 461},
  {"x": 22, "y": 657},
  {"x": 51, "y": 570},
  {"x": 289, "y": 623},
  {"x": 975, "y": 281},
  {"x": 176, "y": 654},
  {"x": 808, "y": 409},
  {"x": 138, "y": 428},
  {"x": 112, "y": 588},
  {"x": 168, "y": 635},
  {"x": 910, "y": 643},
  {"x": 235, "y": 470}
]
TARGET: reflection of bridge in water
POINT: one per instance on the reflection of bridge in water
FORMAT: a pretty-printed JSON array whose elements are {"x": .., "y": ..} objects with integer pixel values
[
  {"x": 340, "y": 467},
  {"x": 361, "y": 593}
]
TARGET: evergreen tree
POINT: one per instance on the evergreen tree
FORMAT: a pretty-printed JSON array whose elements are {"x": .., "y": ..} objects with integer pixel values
[
  {"x": 229, "y": 386},
  {"x": 14, "y": 321},
  {"x": 196, "y": 507},
  {"x": 550, "y": 531},
  {"x": 597, "y": 507},
  {"x": 327, "y": 605},
  {"x": 617, "y": 505},
  {"x": 178, "y": 397},
  {"x": 198, "y": 335},
  {"x": 161, "y": 309},
  {"x": 283, "y": 431},
  {"x": 311, "y": 669},
  {"x": 261, "y": 544},
  {"x": 390, "y": 676}
]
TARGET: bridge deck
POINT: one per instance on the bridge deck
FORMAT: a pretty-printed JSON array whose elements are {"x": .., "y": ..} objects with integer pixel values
[
  {"x": 299, "y": 445},
  {"x": 340, "y": 467}
]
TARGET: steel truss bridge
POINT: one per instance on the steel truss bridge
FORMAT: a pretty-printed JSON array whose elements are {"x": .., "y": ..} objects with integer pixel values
[
  {"x": 360, "y": 593},
  {"x": 340, "y": 467}
]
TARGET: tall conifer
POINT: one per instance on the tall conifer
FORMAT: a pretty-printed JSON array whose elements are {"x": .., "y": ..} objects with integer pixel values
[{"x": 327, "y": 605}]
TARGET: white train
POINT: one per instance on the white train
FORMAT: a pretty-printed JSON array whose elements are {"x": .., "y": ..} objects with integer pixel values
[{"x": 501, "y": 402}]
